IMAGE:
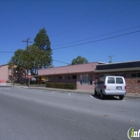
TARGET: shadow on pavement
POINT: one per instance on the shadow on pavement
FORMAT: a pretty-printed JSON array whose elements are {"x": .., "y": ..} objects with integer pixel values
[{"x": 106, "y": 97}]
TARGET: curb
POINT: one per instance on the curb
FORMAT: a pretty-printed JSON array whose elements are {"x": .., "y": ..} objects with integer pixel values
[{"x": 132, "y": 95}]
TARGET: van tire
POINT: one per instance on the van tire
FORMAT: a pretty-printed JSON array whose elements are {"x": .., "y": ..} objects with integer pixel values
[
  {"x": 121, "y": 97},
  {"x": 95, "y": 92},
  {"x": 102, "y": 95}
]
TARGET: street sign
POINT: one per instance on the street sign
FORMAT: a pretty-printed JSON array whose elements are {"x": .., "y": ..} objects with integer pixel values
[{"x": 29, "y": 76}]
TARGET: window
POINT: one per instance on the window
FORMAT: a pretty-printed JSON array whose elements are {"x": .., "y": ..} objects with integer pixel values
[
  {"x": 119, "y": 81},
  {"x": 84, "y": 79},
  {"x": 101, "y": 75},
  {"x": 60, "y": 77},
  {"x": 10, "y": 71},
  {"x": 9, "y": 78},
  {"x": 117, "y": 74},
  {"x": 135, "y": 75},
  {"x": 73, "y": 76},
  {"x": 63, "y": 77},
  {"x": 111, "y": 80},
  {"x": 120, "y": 74},
  {"x": 123, "y": 75}
]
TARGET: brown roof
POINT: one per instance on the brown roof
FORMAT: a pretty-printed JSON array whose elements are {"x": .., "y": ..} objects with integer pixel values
[{"x": 71, "y": 69}]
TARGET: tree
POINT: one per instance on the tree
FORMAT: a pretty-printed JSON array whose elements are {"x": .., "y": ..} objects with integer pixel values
[
  {"x": 19, "y": 59},
  {"x": 31, "y": 60},
  {"x": 43, "y": 43},
  {"x": 39, "y": 55},
  {"x": 18, "y": 63},
  {"x": 39, "y": 58},
  {"x": 79, "y": 60},
  {"x": 42, "y": 40}
]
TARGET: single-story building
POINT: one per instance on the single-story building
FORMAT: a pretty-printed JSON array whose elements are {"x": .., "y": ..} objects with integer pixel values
[
  {"x": 81, "y": 74},
  {"x": 129, "y": 70},
  {"x": 84, "y": 75}
]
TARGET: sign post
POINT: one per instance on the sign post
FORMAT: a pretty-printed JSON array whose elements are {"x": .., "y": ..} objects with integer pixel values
[{"x": 29, "y": 77}]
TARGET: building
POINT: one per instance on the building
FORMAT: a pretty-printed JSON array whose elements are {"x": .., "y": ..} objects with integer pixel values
[
  {"x": 4, "y": 73},
  {"x": 129, "y": 70},
  {"x": 84, "y": 75},
  {"x": 11, "y": 75}
]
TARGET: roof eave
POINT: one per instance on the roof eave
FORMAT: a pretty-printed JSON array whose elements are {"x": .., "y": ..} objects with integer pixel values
[
  {"x": 117, "y": 70},
  {"x": 51, "y": 74}
]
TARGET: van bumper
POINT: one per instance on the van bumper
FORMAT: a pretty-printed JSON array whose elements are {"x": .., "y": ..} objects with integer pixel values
[{"x": 115, "y": 93}]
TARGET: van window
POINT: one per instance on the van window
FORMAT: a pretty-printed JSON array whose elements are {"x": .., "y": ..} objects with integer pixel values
[
  {"x": 111, "y": 80},
  {"x": 119, "y": 81}
]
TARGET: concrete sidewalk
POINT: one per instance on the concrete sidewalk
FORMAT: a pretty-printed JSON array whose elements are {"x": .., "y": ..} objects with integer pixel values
[
  {"x": 6, "y": 84},
  {"x": 75, "y": 91}
]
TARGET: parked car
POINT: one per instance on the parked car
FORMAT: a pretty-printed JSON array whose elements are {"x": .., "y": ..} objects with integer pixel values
[{"x": 111, "y": 85}]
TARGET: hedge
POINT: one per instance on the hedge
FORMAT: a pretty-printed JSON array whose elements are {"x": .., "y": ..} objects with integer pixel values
[{"x": 61, "y": 85}]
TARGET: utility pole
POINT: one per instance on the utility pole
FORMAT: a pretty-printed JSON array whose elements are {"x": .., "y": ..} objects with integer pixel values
[
  {"x": 27, "y": 62},
  {"x": 12, "y": 73},
  {"x": 110, "y": 58}
]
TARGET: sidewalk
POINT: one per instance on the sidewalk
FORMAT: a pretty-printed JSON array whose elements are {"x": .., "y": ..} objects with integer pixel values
[
  {"x": 76, "y": 91},
  {"x": 6, "y": 84}
]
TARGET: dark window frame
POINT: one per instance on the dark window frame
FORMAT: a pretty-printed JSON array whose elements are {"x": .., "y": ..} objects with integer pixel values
[{"x": 137, "y": 75}]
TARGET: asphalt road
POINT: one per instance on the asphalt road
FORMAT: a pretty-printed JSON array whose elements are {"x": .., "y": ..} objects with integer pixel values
[{"x": 31, "y": 114}]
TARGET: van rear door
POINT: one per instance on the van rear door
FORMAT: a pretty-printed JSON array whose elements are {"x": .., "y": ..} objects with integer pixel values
[
  {"x": 110, "y": 85},
  {"x": 120, "y": 85}
]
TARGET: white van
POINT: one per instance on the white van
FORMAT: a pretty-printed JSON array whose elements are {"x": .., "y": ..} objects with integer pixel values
[{"x": 111, "y": 85}]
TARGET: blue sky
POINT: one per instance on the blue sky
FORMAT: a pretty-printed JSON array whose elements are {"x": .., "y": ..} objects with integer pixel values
[{"x": 111, "y": 26}]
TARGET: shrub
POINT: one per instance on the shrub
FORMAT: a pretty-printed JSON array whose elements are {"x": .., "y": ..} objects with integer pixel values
[{"x": 61, "y": 85}]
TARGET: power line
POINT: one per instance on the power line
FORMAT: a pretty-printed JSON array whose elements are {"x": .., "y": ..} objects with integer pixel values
[
  {"x": 111, "y": 37},
  {"x": 104, "y": 5},
  {"x": 84, "y": 39},
  {"x": 98, "y": 40},
  {"x": 89, "y": 41},
  {"x": 98, "y": 19},
  {"x": 53, "y": 59},
  {"x": 61, "y": 61},
  {"x": 98, "y": 36}
]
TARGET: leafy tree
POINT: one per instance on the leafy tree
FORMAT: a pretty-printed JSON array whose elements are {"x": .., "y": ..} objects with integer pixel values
[
  {"x": 31, "y": 60},
  {"x": 39, "y": 58},
  {"x": 79, "y": 60},
  {"x": 18, "y": 62},
  {"x": 39, "y": 55},
  {"x": 19, "y": 59}
]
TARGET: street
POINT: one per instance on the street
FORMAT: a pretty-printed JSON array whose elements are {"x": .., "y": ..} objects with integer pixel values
[{"x": 34, "y": 114}]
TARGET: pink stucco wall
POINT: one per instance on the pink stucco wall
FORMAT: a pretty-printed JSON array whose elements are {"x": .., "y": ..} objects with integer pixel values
[
  {"x": 4, "y": 72},
  {"x": 90, "y": 67},
  {"x": 73, "y": 70},
  {"x": 57, "y": 79}
]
